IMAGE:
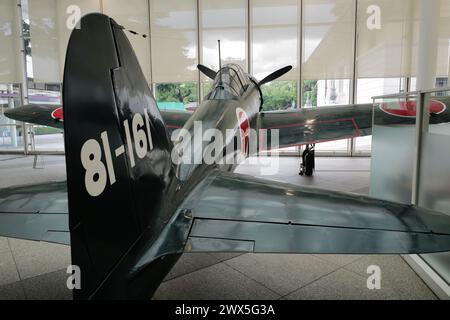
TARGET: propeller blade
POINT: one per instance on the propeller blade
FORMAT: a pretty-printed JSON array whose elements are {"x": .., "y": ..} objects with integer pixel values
[
  {"x": 277, "y": 74},
  {"x": 207, "y": 71}
]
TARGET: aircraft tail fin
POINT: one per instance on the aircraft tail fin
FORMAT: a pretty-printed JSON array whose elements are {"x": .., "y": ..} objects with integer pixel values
[{"x": 118, "y": 159}]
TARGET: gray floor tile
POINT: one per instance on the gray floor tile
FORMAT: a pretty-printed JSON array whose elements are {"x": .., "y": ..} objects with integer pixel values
[
  {"x": 36, "y": 258},
  {"x": 8, "y": 270},
  {"x": 342, "y": 285},
  {"x": 20, "y": 171},
  {"x": 4, "y": 247},
  {"x": 214, "y": 283},
  {"x": 13, "y": 291},
  {"x": 396, "y": 274},
  {"x": 190, "y": 262},
  {"x": 225, "y": 256},
  {"x": 282, "y": 273},
  {"x": 50, "y": 286},
  {"x": 338, "y": 259},
  {"x": 364, "y": 191}
]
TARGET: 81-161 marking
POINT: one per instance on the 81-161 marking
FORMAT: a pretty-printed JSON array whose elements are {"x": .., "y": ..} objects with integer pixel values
[{"x": 97, "y": 173}]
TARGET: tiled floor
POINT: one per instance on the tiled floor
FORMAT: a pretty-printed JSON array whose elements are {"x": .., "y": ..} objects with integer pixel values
[{"x": 30, "y": 270}]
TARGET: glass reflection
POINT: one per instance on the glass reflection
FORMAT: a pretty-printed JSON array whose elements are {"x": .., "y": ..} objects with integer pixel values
[
  {"x": 328, "y": 32},
  {"x": 174, "y": 40},
  {"x": 8, "y": 42},
  {"x": 11, "y": 137},
  {"x": 225, "y": 21},
  {"x": 274, "y": 36}
]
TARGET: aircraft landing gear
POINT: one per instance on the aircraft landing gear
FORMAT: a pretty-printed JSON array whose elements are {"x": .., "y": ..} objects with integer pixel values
[{"x": 308, "y": 161}]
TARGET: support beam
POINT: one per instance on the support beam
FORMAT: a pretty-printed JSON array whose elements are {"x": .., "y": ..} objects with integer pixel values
[
  {"x": 12, "y": 122},
  {"x": 23, "y": 62},
  {"x": 428, "y": 44}
]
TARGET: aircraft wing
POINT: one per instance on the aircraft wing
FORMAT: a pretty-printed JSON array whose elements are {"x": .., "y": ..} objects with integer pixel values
[
  {"x": 237, "y": 213},
  {"x": 37, "y": 213},
  {"x": 309, "y": 126},
  {"x": 40, "y": 114},
  {"x": 43, "y": 114}
]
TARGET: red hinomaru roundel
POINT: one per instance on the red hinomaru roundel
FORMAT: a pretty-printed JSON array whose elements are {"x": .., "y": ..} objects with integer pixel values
[
  {"x": 244, "y": 125},
  {"x": 58, "y": 115},
  {"x": 409, "y": 108}
]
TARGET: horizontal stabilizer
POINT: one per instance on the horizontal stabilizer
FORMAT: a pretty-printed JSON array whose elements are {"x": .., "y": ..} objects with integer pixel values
[{"x": 36, "y": 212}]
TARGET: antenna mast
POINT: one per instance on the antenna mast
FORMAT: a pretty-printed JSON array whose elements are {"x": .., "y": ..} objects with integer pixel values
[{"x": 220, "y": 63}]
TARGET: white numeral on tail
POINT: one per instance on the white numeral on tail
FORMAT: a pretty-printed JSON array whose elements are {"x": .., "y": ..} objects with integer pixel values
[
  {"x": 109, "y": 162},
  {"x": 149, "y": 132},
  {"x": 140, "y": 138},
  {"x": 130, "y": 146},
  {"x": 96, "y": 177}
]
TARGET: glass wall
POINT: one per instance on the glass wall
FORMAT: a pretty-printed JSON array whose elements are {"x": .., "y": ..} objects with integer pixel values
[
  {"x": 366, "y": 89},
  {"x": 176, "y": 96},
  {"x": 342, "y": 51},
  {"x": 435, "y": 174},
  {"x": 10, "y": 72},
  {"x": 280, "y": 95},
  {"x": 384, "y": 51},
  {"x": 275, "y": 24},
  {"x": 10, "y": 68},
  {"x": 225, "y": 21},
  {"x": 11, "y": 133},
  {"x": 174, "y": 41},
  {"x": 393, "y": 176},
  {"x": 174, "y": 53},
  {"x": 328, "y": 30},
  {"x": 394, "y": 142}
]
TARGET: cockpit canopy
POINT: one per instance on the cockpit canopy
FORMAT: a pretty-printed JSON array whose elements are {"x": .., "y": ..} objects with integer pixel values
[{"x": 229, "y": 84}]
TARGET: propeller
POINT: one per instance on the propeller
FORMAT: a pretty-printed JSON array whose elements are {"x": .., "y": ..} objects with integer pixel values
[
  {"x": 207, "y": 71},
  {"x": 277, "y": 74}
]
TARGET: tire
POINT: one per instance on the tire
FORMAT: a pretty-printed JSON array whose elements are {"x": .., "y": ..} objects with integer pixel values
[{"x": 309, "y": 164}]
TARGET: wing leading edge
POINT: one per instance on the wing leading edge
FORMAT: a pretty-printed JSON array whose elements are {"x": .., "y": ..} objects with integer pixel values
[
  {"x": 236, "y": 213},
  {"x": 315, "y": 125}
]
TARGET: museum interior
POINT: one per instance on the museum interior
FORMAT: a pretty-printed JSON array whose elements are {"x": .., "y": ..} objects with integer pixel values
[{"x": 364, "y": 110}]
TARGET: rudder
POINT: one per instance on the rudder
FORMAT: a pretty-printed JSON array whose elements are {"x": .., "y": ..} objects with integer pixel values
[{"x": 117, "y": 153}]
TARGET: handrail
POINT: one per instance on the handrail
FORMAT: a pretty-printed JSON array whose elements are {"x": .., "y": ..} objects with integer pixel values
[{"x": 411, "y": 93}]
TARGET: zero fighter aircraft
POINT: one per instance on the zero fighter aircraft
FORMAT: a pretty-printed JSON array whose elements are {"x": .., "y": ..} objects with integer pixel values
[
  {"x": 300, "y": 127},
  {"x": 129, "y": 211}
]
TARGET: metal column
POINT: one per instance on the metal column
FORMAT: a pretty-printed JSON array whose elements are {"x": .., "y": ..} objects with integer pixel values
[{"x": 23, "y": 62}]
